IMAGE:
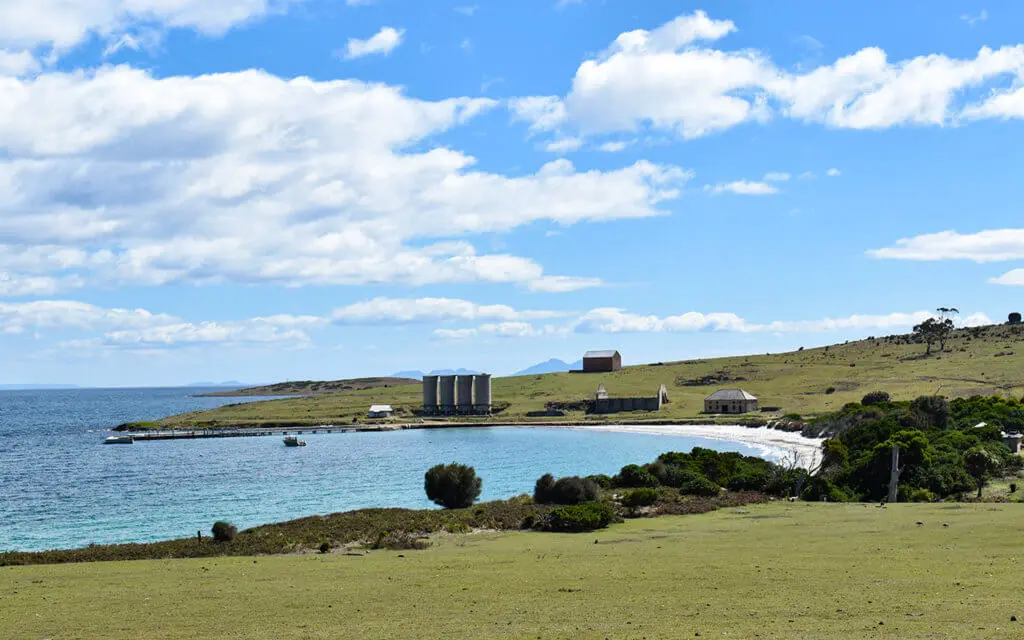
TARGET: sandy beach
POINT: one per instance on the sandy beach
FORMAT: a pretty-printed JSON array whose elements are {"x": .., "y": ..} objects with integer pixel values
[{"x": 771, "y": 443}]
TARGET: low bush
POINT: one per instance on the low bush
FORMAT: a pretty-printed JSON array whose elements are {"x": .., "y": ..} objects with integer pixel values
[
  {"x": 819, "y": 489},
  {"x": 588, "y": 516},
  {"x": 453, "y": 486},
  {"x": 698, "y": 485},
  {"x": 602, "y": 480},
  {"x": 325, "y": 547},
  {"x": 1013, "y": 487},
  {"x": 399, "y": 541},
  {"x": 922, "y": 495},
  {"x": 633, "y": 475},
  {"x": 830, "y": 391},
  {"x": 224, "y": 531},
  {"x": 875, "y": 397},
  {"x": 642, "y": 497},
  {"x": 571, "y": 490}
]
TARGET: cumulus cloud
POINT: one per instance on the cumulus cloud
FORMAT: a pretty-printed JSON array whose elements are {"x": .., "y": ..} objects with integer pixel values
[
  {"x": 1011, "y": 278},
  {"x": 670, "y": 78},
  {"x": 17, "y": 63},
  {"x": 562, "y": 284},
  {"x": 246, "y": 177},
  {"x": 187, "y": 333},
  {"x": 61, "y": 24},
  {"x": 381, "y": 43},
  {"x": 985, "y": 246},
  {"x": 744, "y": 188},
  {"x": 776, "y": 176},
  {"x": 17, "y": 317},
  {"x": 401, "y": 310}
]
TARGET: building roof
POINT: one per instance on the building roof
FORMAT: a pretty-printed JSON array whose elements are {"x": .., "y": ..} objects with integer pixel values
[
  {"x": 381, "y": 408},
  {"x": 601, "y": 354},
  {"x": 731, "y": 394}
]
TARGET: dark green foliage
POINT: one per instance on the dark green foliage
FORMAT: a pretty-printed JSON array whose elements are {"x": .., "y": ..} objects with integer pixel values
[
  {"x": 875, "y": 397},
  {"x": 933, "y": 411},
  {"x": 570, "y": 490},
  {"x": 602, "y": 480},
  {"x": 453, "y": 486},
  {"x": 921, "y": 495},
  {"x": 1014, "y": 318},
  {"x": 1013, "y": 487},
  {"x": 699, "y": 486},
  {"x": 588, "y": 516},
  {"x": 829, "y": 391},
  {"x": 633, "y": 475},
  {"x": 642, "y": 497},
  {"x": 979, "y": 463},
  {"x": 325, "y": 547},
  {"x": 818, "y": 489},
  {"x": 223, "y": 531},
  {"x": 934, "y": 331}
]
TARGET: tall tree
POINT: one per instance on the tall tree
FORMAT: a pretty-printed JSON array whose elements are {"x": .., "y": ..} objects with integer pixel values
[{"x": 934, "y": 331}]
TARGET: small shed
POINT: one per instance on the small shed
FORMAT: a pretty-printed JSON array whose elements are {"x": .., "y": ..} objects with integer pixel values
[
  {"x": 730, "y": 401},
  {"x": 602, "y": 361},
  {"x": 381, "y": 411}
]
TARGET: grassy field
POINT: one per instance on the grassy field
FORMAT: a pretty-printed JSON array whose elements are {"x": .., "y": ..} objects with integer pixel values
[
  {"x": 314, "y": 387},
  {"x": 781, "y": 570},
  {"x": 981, "y": 361}
]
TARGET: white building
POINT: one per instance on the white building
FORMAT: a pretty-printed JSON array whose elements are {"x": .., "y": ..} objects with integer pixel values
[{"x": 381, "y": 411}]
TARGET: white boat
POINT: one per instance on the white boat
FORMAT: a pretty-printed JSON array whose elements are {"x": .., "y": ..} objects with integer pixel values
[
  {"x": 119, "y": 440},
  {"x": 293, "y": 441}
]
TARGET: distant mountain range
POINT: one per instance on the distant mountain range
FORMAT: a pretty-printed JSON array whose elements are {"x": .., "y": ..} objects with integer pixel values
[
  {"x": 554, "y": 365},
  {"x": 418, "y": 375}
]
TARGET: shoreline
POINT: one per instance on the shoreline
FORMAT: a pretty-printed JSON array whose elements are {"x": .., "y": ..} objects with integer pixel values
[{"x": 774, "y": 442}]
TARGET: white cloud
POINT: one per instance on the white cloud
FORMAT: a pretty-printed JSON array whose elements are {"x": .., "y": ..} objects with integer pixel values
[
  {"x": 562, "y": 284},
  {"x": 985, "y": 246},
  {"x": 776, "y": 176},
  {"x": 1010, "y": 278},
  {"x": 832, "y": 173},
  {"x": 63, "y": 24},
  {"x": 17, "y": 63},
  {"x": 614, "y": 147},
  {"x": 666, "y": 79},
  {"x": 978, "y": 319},
  {"x": 203, "y": 333},
  {"x": 468, "y": 10},
  {"x": 544, "y": 113},
  {"x": 403, "y": 310},
  {"x": 18, "y": 286},
  {"x": 119, "y": 177},
  {"x": 806, "y": 175},
  {"x": 744, "y": 188},
  {"x": 16, "y": 317},
  {"x": 381, "y": 43},
  {"x": 612, "y": 320},
  {"x": 981, "y": 16},
  {"x": 564, "y": 145}
]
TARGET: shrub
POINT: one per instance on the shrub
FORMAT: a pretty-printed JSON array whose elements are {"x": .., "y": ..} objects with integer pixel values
[
  {"x": 933, "y": 411},
  {"x": 697, "y": 485},
  {"x": 642, "y": 497},
  {"x": 399, "y": 541},
  {"x": 819, "y": 489},
  {"x": 1014, "y": 318},
  {"x": 922, "y": 495},
  {"x": 633, "y": 475},
  {"x": 602, "y": 480},
  {"x": 581, "y": 517},
  {"x": 224, "y": 531},
  {"x": 571, "y": 490},
  {"x": 325, "y": 547},
  {"x": 875, "y": 397},
  {"x": 830, "y": 391},
  {"x": 1013, "y": 487},
  {"x": 453, "y": 486}
]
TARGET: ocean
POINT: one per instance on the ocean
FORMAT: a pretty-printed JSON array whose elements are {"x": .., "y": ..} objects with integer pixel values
[{"x": 60, "y": 487}]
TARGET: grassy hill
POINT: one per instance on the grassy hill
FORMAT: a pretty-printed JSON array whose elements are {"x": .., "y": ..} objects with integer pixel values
[
  {"x": 982, "y": 360},
  {"x": 315, "y": 387},
  {"x": 781, "y": 570}
]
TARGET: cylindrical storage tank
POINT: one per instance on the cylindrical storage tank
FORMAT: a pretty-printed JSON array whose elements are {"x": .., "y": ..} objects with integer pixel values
[
  {"x": 464, "y": 394},
  {"x": 446, "y": 391},
  {"x": 482, "y": 392},
  {"x": 430, "y": 395}
]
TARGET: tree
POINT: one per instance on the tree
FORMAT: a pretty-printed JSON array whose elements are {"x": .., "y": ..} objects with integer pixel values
[
  {"x": 875, "y": 397},
  {"x": 224, "y": 531},
  {"x": 453, "y": 486},
  {"x": 1014, "y": 318},
  {"x": 980, "y": 464},
  {"x": 933, "y": 331}
]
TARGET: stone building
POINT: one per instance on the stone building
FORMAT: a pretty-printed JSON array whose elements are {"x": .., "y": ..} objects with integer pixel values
[{"x": 730, "y": 401}]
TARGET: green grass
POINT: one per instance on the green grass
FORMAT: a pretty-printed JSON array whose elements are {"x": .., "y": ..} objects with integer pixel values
[
  {"x": 975, "y": 362},
  {"x": 782, "y": 570}
]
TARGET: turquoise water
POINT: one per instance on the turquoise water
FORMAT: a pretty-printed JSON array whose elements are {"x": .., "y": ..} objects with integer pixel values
[{"x": 62, "y": 488}]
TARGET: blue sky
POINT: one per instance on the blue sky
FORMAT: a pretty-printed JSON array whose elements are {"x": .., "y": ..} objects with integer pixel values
[{"x": 286, "y": 189}]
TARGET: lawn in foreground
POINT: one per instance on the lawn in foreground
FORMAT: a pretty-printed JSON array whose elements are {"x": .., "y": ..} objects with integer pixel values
[{"x": 782, "y": 570}]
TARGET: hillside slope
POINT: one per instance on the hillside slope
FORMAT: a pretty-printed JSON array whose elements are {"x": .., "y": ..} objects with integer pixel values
[
  {"x": 982, "y": 360},
  {"x": 314, "y": 387}
]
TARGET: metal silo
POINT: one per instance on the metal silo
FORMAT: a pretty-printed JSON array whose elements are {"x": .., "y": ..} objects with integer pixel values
[
  {"x": 464, "y": 394},
  {"x": 430, "y": 395},
  {"x": 446, "y": 391},
  {"x": 482, "y": 393}
]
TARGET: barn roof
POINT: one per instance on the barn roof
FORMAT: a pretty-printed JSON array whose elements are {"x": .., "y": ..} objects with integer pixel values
[
  {"x": 611, "y": 353},
  {"x": 731, "y": 394},
  {"x": 381, "y": 408}
]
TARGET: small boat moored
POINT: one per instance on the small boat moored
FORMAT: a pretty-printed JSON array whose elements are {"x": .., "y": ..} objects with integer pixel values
[
  {"x": 119, "y": 440},
  {"x": 293, "y": 441}
]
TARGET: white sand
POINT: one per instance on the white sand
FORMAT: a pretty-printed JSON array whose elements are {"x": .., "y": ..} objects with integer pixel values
[{"x": 771, "y": 443}]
